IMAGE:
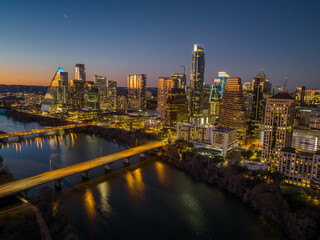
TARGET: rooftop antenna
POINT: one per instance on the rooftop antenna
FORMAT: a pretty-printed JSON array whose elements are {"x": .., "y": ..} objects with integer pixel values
[{"x": 184, "y": 68}]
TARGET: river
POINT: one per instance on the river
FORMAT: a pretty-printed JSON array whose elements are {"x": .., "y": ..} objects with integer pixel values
[{"x": 148, "y": 200}]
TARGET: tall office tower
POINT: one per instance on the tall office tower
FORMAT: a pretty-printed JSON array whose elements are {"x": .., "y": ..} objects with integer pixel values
[
  {"x": 164, "y": 87},
  {"x": 76, "y": 94},
  {"x": 91, "y": 96},
  {"x": 257, "y": 98},
  {"x": 137, "y": 91},
  {"x": 206, "y": 98},
  {"x": 112, "y": 94},
  {"x": 176, "y": 107},
  {"x": 102, "y": 86},
  {"x": 57, "y": 93},
  {"x": 223, "y": 76},
  {"x": 196, "y": 80},
  {"x": 80, "y": 72},
  {"x": 262, "y": 78},
  {"x": 300, "y": 93},
  {"x": 232, "y": 110},
  {"x": 214, "y": 101},
  {"x": 180, "y": 80},
  {"x": 278, "y": 126}
]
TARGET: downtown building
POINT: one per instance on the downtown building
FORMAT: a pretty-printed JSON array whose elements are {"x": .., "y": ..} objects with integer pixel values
[
  {"x": 80, "y": 72},
  {"x": 112, "y": 95},
  {"x": 300, "y": 168},
  {"x": 196, "y": 81},
  {"x": 217, "y": 139},
  {"x": 137, "y": 91},
  {"x": 55, "y": 99},
  {"x": 232, "y": 109},
  {"x": 278, "y": 126},
  {"x": 172, "y": 102}
]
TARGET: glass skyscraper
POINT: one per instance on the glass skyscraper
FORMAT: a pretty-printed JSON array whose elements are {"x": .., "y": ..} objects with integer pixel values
[
  {"x": 80, "y": 72},
  {"x": 56, "y": 95},
  {"x": 196, "y": 80},
  {"x": 137, "y": 91}
]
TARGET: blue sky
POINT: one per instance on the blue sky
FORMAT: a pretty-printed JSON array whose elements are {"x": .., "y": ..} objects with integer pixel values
[{"x": 117, "y": 38}]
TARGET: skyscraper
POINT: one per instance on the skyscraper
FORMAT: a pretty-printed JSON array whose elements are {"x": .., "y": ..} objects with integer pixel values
[
  {"x": 279, "y": 118},
  {"x": 232, "y": 110},
  {"x": 223, "y": 76},
  {"x": 180, "y": 80},
  {"x": 112, "y": 94},
  {"x": 176, "y": 107},
  {"x": 76, "y": 94},
  {"x": 80, "y": 72},
  {"x": 57, "y": 93},
  {"x": 137, "y": 91},
  {"x": 164, "y": 87},
  {"x": 196, "y": 80},
  {"x": 102, "y": 86},
  {"x": 257, "y": 98}
]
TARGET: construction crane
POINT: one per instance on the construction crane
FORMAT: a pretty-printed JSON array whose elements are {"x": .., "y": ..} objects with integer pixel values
[
  {"x": 285, "y": 83},
  {"x": 184, "y": 69}
]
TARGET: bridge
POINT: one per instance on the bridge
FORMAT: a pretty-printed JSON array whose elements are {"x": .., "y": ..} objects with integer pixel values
[
  {"x": 59, "y": 174},
  {"x": 39, "y": 131}
]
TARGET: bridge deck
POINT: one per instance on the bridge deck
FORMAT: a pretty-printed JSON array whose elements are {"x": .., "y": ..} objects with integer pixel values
[
  {"x": 42, "y": 130},
  {"x": 24, "y": 184}
]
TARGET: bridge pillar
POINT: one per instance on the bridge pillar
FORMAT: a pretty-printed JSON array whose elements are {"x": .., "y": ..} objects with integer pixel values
[
  {"x": 58, "y": 184},
  {"x": 107, "y": 168},
  {"x": 24, "y": 194},
  {"x": 126, "y": 162},
  {"x": 21, "y": 138},
  {"x": 85, "y": 175},
  {"x": 143, "y": 156}
]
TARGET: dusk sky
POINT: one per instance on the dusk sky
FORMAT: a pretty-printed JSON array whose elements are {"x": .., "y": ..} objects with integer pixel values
[{"x": 117, "y": 38}]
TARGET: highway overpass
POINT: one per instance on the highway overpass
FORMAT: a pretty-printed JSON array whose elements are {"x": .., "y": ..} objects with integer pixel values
[{"x": 57, "y": 175}]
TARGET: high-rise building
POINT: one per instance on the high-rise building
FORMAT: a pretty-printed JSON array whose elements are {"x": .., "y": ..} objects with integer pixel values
[
  {"x": 278, "y": 126},
  {"x": 206, "y": 99},
  {"x": 223, "y": 76},
  {"x": 179, "y": 80},
  {"x": 257, "y": 98},
  {"x": 137, "y": 91},
  {"x": 176, "y": 107},
  {"x": 102, "y": 86},
  {"x": 80, "y": 72},
  {"x": 164, "y": 87},
  {"x": 112, "y": 94},
  {"x": 76, "y": 94},
  {"x": 232, "y": 110},
  {"x": 196, "y": 80},
  {"x": 57, "y": 93},
  {"x": 91, "y": 96}
]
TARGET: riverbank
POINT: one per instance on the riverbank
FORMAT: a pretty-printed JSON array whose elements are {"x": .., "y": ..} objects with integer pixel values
[
  {"x": 42, "y": 120},
  {"x": 263, "y": 192},
  {"x": 126, "y": 138}
]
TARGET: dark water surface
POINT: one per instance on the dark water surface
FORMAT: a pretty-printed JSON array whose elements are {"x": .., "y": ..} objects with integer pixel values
[{"x": 149, "y": 200}]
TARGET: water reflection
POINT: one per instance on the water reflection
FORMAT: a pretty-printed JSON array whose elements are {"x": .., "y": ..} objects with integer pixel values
[
  {"x": 160, "y": 171},
  {"x": 104, "y": 190},
  {"x": 90, "y": 204},
  {"x": 135, "y": 182},
  {"x": 192, "y": 212}
]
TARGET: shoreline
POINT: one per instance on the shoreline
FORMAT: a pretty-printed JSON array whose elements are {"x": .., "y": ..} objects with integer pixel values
[{"x": 293, "y": 221}]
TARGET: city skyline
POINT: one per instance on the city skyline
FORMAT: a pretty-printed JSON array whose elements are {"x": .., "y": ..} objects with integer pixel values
[{"x": 39, "y": 37}]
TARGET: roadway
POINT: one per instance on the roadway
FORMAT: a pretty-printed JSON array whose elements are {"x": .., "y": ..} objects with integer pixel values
[
  {"x": 42, "y": 130},
  {"x": 27, "y": 183}
]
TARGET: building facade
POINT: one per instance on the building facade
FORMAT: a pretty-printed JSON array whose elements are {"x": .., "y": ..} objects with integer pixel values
[
  {"x": 196, "y": 80},
  {"x": 278, "y": 126},
  {"x": 80, "y": 72},
  {"x": 137, "y": 91},
  {"x": 232, "y": 109}
]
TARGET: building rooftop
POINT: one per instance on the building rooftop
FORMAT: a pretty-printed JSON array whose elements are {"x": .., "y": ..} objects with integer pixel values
[
  {"x": 293, "y": 150},
  {"x": 282, "y": 95}
]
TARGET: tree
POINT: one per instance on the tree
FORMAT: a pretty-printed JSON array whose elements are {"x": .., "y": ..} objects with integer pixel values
[{"x": 247, "y": 154}]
